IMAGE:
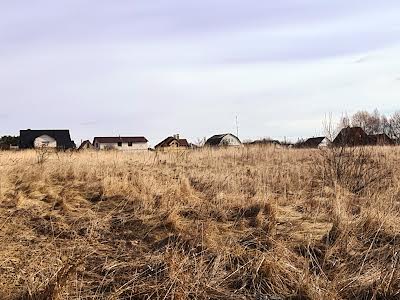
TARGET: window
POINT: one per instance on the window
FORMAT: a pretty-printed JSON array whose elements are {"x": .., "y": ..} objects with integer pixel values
[
  {"x": 119, "y": 144},
  {"x": 130, "y": 144}
]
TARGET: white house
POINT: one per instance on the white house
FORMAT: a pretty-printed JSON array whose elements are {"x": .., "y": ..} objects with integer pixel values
[
  {"x": 226, "y": 139},
  {"x": 121, "y": 143}
]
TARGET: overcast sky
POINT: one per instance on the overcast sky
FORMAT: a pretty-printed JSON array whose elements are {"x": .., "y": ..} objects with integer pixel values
[{"x": 159, "y": 67}]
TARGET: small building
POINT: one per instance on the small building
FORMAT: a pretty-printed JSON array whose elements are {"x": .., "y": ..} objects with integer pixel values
[
  {"x": 126, "y": 143},
  {"x": 221, "y": 140},
  {"x": 352, "y": 136},
  {"x": 57, "y": 139},
  {"x": 381, "y": 139},
  {"x": 86, "y": 145},
  {"x": 265, "y": 142},
  {"x": 173, "y": 143},
  {"x": 315, "y": 142}
]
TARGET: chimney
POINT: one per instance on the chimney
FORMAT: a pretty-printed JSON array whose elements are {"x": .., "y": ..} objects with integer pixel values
[{"x": 176, "y": 136}]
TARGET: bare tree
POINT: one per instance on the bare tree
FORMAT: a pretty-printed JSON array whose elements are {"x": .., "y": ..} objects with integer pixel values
[
  {"x": 360, "y": 119},
  {"x": 394, "y": 126}
]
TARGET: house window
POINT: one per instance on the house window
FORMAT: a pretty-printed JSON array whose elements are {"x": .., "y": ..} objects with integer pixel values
[
  {"x": 119, "y": 144},
  {"x": 130, "y": 144}
]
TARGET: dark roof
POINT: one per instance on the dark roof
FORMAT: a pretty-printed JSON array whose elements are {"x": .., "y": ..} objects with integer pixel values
[
  {"x": 120, "y": 139},
  {"x": 352, "y": 136},
  {"x": 62, "y": 137},
  {"x": 312, "y": 142},
  {"x": 215, "y": 140},
  {"x": 265, "y": 142},
  {"x": 166, "y": 142}
]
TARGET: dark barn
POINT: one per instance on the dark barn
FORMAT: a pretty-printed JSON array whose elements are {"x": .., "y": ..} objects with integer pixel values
[{"x": 62, "y": 139}]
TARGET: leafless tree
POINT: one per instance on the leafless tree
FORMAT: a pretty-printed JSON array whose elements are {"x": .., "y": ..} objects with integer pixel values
[{"x": 394, "y": 126}]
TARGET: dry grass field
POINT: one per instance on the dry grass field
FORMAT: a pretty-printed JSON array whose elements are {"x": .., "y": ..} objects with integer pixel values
[{"x": 249, "y": 223}]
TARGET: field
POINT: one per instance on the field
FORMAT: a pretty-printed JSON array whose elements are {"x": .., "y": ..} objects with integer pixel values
[{"x": 248, "y": 223}]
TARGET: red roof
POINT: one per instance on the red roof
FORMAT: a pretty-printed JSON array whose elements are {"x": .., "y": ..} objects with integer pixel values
[{"x": 120, "y": 139}]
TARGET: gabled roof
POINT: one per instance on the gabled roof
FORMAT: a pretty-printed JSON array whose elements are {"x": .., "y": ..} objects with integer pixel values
[
  {"x": 86, "y": 145},
  {"x": 166, "y": 142},
  {"x": 352, "y": 136},
  {"x": 312, "y": 142},
  {"x": 120, "y": 139},
  {"x": 62, "y": 137},
  {"x": 215, "y": 140}
]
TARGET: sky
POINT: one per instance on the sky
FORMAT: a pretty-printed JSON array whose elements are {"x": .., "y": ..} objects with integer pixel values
[{"x": 160, "y": 67}]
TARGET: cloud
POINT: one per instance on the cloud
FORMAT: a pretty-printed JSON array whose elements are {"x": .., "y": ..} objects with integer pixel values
[{"x": 161, "y": 67}]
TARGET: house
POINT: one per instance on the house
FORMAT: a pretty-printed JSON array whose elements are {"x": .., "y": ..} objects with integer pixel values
[
  {"x": 221, "y": 140},
  {"x": 315, "y": 142},
  {"x": 52, "y": 138},
  {"x": 121, "y": 143},
  {"x": 173, "y": 143},
  {"x": 352, "y": 136},
  {"x": 265, "y": 142},
  {"x": 86, "y": 145},
  {"x": 381, "y": 139}
]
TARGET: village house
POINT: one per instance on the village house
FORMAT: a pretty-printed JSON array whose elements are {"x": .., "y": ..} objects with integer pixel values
[
  {"x": 173, "y": 143},
  {"x": 356, "y": 136},
  {"x": 381, "y": 139},
  {"x": 121, "y": 143},
  {"x": 352, "y": 136},
  {"x": 58, "y": 139},
  {"x": 315, "y": 142},
  {"x": 86, "y": 145},
  {"x": 264, "y": 142},
  {"x": 221, "y": 140}
]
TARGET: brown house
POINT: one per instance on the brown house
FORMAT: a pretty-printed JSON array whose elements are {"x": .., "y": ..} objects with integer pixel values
[
  {"x": 352, "y": 136},
  {"x": 356, "y": 136},
  {"x": 173, "y": 142},
  {"x": 381, "y": 139}
]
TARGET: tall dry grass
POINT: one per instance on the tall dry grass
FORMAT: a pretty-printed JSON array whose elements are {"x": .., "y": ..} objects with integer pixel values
[{"x": 250, "y": 223}]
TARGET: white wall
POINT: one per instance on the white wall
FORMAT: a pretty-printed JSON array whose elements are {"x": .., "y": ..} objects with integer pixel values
[
  {"x": 45, "y": 141},
  {"x": 124, "y": 147},
  {"x": 230, "y": 140}
]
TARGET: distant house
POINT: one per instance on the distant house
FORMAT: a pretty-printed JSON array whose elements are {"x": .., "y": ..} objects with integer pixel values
[
  {"x": 356, "y": 136},
  {"x": 59, "y": 139},
  {"x": 265, "y": 142},
  {"x": 315, "y": 142},
  {"x": 173, "y": 142},
  {"x": 381, "y": 139},
  {"x": 352, "y": 136},
  {"x": 86, "y": 145},
  {"x": 221, "y": 140},
  {"x": 121, "y": 143}
]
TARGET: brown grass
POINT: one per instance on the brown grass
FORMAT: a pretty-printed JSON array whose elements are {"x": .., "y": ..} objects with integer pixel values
[{"x": 250, "y": 223}]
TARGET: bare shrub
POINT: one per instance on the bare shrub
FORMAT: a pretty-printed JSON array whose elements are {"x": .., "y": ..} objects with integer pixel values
[{"x": 355, "y": 168}]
